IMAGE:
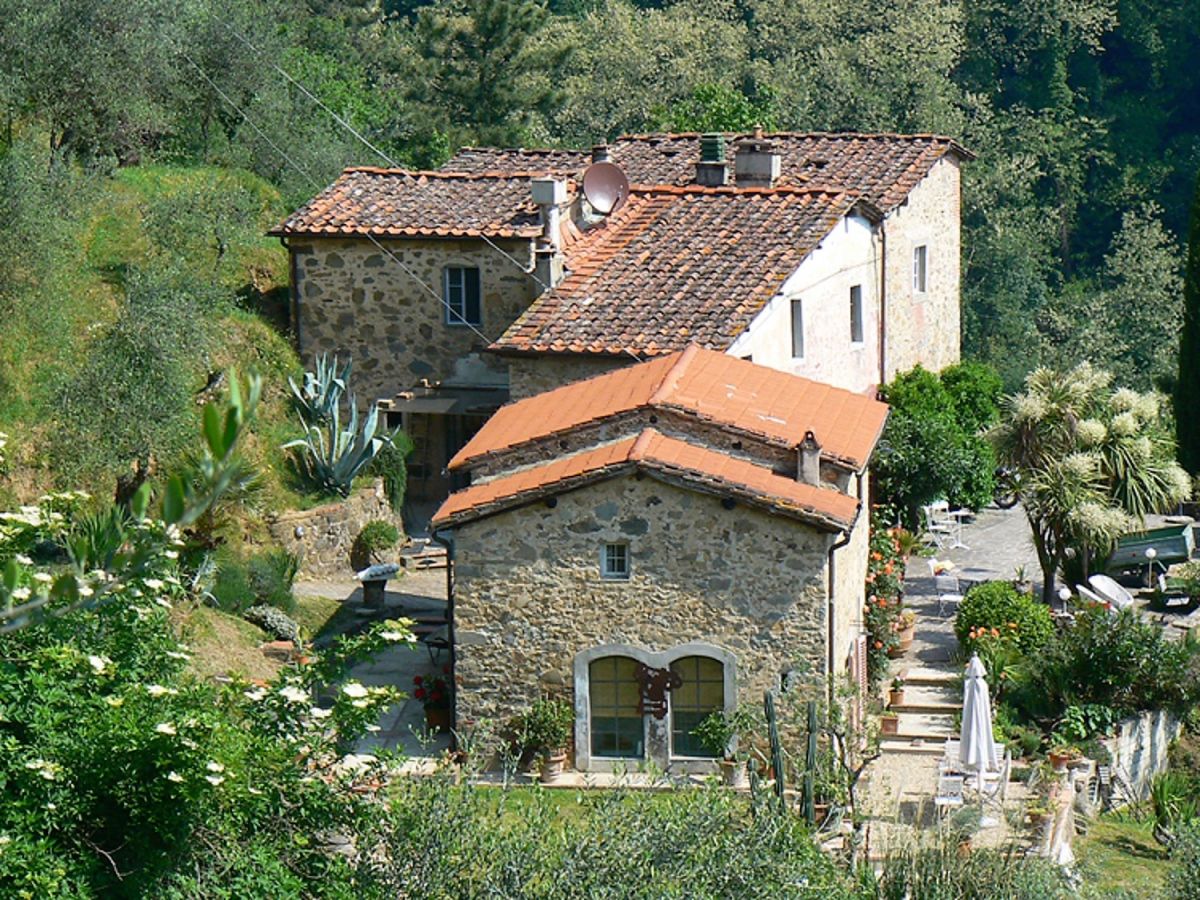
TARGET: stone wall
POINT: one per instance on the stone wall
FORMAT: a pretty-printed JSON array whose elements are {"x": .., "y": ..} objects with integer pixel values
[
  {"x": 529, "y": 375},
  {"x": 322, "y": 537},
  {"x": 849, "y": 581},
  {"x": 352, "y": 299},
  {"x": 1139, "y": 751},
  {"x": 925, "y": 328},
  {"x": 529, "y": 596}
]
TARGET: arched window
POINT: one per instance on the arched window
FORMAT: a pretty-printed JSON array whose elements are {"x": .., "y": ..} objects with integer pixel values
[
  {"x": 701, "y": 692},
  {"x": 618, "y": 729}
]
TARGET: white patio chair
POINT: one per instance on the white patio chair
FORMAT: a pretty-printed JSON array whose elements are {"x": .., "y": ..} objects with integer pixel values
[
  {"x": 950, "y": 763},
  {"x": 949, "y": 593},
  {"x": 949, "y": 793},
  {"x": 938, "y": 524},
  {"x": 1111, "y": 591}
]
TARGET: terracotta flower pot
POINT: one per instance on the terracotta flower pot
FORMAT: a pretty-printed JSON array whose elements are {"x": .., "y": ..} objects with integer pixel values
[
  {"x": 437, "y": 719},
  {"x": 898, "y": 650},
  {"x": 896, "y": 698},
  {"x": 889, "y": 725},
  {"x": 1060, "y": 761},
  {"x": 733, "y": 773},
  {"x": 553, "y": 764}
]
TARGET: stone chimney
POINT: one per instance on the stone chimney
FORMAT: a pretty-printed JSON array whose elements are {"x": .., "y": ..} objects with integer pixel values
[
  {"x": 549, "y": 194},
  {"x": 808, "y": 463},
  {"x": 712, "y": 170},
  {"x": 600, "y": 153},
  {"x": 756, "y": 164}
]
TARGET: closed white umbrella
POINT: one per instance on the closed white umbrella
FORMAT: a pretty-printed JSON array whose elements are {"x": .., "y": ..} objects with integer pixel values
[{"x": 977, "y": 751}]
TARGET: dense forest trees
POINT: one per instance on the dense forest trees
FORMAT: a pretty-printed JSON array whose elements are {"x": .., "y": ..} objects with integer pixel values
[{"x": 1085, "y": 115}]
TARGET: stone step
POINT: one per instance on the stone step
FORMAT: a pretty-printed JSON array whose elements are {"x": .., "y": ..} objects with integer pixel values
[
  {"x": 926, "y": 726},
  {"x": 936, "y": 699},
  {"x": 924, "y": 676},
  {"x": 897, "y": 744}
]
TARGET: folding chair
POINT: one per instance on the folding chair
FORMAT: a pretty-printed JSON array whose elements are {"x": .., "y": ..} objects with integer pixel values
[
  {"x": 949, "y": 593},
  {"x": 938, "y": 524},
  {"x": 949, "y": 793}
]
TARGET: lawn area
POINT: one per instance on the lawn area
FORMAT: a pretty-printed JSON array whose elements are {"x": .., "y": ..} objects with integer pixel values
[
  {"x": 1120, "y": 854},
  {"x": 224, "y": 644}
]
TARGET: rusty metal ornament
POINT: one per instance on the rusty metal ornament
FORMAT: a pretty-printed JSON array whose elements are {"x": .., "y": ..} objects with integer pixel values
[{"x": 654, "y": 684}]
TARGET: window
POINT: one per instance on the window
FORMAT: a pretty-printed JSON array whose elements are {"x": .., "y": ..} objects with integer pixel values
[
  {"x": 461, "y": 290},
  {"x": 856, "y": 318},
  {"x": 920, "y": 268},
  {"x": 614, "y": 562},
  {"x": 618, "y": 729},
  {"x": 797, "y": 328},
  {"x": 702, "y": 692}
]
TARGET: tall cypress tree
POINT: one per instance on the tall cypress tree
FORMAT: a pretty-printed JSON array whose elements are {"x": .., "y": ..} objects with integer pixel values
[{"x": 1187, "y": 392}]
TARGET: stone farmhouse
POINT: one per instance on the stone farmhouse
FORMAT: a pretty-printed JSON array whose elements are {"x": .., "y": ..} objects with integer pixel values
[
  {"x": 659, "y": 542},
  {"x": 829, "y": 256}
]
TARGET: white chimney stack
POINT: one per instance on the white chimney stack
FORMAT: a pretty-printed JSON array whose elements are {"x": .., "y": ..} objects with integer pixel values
[
  {"x": 549, "y": 194},
  {"x": 756, "y": 164}
]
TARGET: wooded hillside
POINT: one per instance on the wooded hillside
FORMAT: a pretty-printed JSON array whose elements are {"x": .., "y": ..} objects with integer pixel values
[{"x": 145, "y": 145}]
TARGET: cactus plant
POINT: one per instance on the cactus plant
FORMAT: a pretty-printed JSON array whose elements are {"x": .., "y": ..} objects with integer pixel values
[
  {"x": 318, "y": 399},
  {"x": 331, "y": 456}
]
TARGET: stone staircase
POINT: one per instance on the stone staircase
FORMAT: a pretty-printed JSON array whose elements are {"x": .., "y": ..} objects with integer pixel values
[{"x": 929, "y": 715}]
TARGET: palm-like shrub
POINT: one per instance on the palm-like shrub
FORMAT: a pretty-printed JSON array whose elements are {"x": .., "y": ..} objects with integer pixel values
[{"x": 1091, "y": 462}]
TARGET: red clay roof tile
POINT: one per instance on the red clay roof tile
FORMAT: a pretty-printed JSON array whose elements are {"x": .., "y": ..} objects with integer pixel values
[
  {"x": 676, "y": 265},
  {"x": 883, "y": 168},
  {"x": 775, "y": 406},
  {"x": 655, "y": 453},
  {"x": 397, "y": 202}
]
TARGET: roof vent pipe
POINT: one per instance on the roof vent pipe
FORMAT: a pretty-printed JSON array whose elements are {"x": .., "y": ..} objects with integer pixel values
[
  {"x": 712, "y": 170},
  {"x": 808, "y": 464},
  {"x": 600, "y": 153},
  {"x": 756, "y": 162}
]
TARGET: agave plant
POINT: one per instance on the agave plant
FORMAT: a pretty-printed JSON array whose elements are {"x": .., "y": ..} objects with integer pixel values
[
  {"x": 318, "y": 399},
  {"x": 331, "y": 456}
]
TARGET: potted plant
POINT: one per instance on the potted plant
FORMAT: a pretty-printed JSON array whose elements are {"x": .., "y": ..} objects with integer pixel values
[
  {"x": 889, "y": 723},
  {"x": 896, "y": 694},
  {"x": 434, "y": 693},
  {"x": 548, "y": 727},
  {"x": 1062, "y": 756},
  {"x": 906, "y": 627},
  {"x": 963, "y": 824},
  {"x": 718, "y": 734},
  {"x": 1039, "y": 813}
]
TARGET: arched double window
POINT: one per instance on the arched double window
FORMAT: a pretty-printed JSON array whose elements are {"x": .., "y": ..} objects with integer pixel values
[{"x": 617, "y": 722}]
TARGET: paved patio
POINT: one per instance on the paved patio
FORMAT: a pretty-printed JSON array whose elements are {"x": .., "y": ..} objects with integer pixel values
[{"x": 402, "y": 726}]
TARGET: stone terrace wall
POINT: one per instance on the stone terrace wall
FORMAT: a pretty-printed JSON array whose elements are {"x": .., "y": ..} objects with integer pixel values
[
  {"x": 1140, "y": 748},
  {"x": 354, "y": 300},
  {"x": 529, "y": 596},
  {"x": 322, "y": 537}
]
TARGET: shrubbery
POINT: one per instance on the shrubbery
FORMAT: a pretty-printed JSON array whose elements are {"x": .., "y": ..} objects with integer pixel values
[
  {"x": 262, "y": 579},
  {"x": 931, "y": 446},
  {"x": 1000, "y": 611}
]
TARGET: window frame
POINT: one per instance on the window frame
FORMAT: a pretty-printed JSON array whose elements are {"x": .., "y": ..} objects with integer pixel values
[
  {"x": 857, "y": 329},
  {"x": 457, "y": 309},
  {"x": 607, "y": 572},
  {"x": 638, "y": 732},
  {"x": 675, "y": 697},
  {"x": 797, "y": 320},
  {"x": 921, "y": 269}
]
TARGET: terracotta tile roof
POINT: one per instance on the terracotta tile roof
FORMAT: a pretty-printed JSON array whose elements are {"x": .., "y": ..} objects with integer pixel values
[
  {"x": 775, "y": 406},
  {"x": 675, "y": 266},
  {"x": 391, "y": 202},
  {"x": 883, "y": 168},
  {"x": 656, "y": 454}
]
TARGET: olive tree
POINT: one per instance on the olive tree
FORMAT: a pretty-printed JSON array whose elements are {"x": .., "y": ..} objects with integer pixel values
[{"x": 1091, "y": 462}]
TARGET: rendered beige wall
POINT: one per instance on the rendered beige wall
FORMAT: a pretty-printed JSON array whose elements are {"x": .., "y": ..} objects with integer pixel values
[
  {"x": 925, "y": 328},
  {"x": 529, "y": 596},
  {"x": 354, "y": 300}
]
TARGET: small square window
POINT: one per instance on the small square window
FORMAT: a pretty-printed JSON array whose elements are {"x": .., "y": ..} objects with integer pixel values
[
  {"x": 460, "y": 289},
  {"x": 920, "y": 268},
  {"x": 614, "y": 562},
  {"x": 856, "y": 315}
]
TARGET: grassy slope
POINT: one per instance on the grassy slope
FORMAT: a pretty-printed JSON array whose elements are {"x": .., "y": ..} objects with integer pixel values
[
  {"x": 1120, "y": 853},
  {"x": 85, "y": 285}
]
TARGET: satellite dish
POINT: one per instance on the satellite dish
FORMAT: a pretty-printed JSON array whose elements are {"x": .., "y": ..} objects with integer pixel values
[{"x": 605, "y": 187}]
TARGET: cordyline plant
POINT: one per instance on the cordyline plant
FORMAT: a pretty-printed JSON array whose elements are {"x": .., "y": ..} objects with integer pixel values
[{"x": 1091, "y": 462}]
